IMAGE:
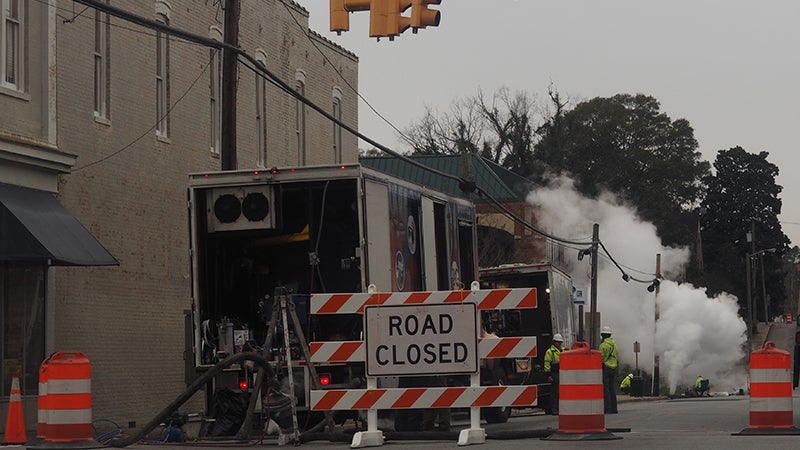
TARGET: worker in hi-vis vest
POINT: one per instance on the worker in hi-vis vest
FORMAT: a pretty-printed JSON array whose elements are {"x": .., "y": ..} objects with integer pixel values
[
  {"x": 610, "y": 353},
  {"x": 552, "y": 360}
]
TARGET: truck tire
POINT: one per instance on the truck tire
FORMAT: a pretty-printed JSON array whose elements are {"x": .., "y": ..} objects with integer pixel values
[{"x": 499, "y": 414}]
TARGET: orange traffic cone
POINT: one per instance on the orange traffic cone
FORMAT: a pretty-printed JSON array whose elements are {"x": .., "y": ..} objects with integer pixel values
[{"x": 15, "y": 422}]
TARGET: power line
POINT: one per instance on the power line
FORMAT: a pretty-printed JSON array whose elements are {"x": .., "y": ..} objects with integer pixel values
[
  {"x": 519, "y": 220},
  {"x": 67, "y": 20},
  {"x": 75, "y": 16},
  {"x": 466, "y": 185},
  {"x": 166, "y": 114},
  {"x": 407, "y": 139}
]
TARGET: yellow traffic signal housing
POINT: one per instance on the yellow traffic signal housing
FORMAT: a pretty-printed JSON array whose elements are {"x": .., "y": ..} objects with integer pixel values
[
  {"x": 378, "y": 17},
  {"x": 386, "y": 18},
  {"x": 422, "y": 16},
  {"x": 396, "y": 22},
  {"x": 340, "y": 13}
]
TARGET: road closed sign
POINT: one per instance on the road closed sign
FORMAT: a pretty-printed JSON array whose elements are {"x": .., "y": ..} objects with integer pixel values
[{"x": 421, "y": 339}]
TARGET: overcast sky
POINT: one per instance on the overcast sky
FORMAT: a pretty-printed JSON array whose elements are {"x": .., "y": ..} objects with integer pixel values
[{"x": 730, "y": 67}]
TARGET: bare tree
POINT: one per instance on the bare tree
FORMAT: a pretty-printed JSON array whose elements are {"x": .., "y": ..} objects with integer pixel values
[
  {"x": 510, "y": 119},
  {"x": 456, "y": 131},
  {"x": 501, "y": 131}
]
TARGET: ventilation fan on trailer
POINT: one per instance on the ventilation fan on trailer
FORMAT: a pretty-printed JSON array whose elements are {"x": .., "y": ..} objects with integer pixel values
[{"x": 240, "y": 208}]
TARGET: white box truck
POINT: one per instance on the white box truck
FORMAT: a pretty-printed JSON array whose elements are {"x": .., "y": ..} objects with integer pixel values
[{"x": 313, "y": 229}]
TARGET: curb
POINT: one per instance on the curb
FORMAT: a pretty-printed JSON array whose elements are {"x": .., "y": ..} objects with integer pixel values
[{"x": 631, "y": 399}]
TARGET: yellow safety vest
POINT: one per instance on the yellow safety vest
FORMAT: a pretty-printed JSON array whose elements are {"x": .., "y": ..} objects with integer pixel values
[
  {"x": 608, "y": 349},
  {"x": 551, "y": 356}
]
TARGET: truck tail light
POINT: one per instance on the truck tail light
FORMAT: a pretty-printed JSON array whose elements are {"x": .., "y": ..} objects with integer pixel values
[
  {"x": 324, "y": 379},
  {"x": 243, "y": 385}
]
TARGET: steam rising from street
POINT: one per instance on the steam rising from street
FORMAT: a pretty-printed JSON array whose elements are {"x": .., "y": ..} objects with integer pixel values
[{"x": 696, "y": 335}]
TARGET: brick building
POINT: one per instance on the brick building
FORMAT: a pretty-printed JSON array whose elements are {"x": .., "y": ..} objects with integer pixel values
[{"x": 120, "y": 115}]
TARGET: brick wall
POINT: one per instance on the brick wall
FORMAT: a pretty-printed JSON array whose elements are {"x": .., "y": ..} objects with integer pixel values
[{"x": 129, "y": 188}]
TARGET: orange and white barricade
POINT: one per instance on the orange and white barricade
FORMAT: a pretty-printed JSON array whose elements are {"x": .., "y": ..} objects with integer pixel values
[
  {"x": 473, "y": 397},
  {"x": 771, "y": 410},
  {"x": 580, "y": 396},
  {"x": 42, "y": 410},
  {"x": 15, "y": 421},
  {"x": 69, "y": 398}
]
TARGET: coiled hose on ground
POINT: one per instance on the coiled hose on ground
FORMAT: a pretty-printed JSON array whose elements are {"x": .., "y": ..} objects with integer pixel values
[
  {"x": 313, "y": 433},
  {"x": 190, "y": 391}
]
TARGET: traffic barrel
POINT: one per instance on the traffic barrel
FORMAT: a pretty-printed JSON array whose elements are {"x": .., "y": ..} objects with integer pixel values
[
  {"x": 580, "y": 402},
  {"x": 771, "y": 410},
  {"x": 15, "y": 420},
  {"x": 69, "y": 398},
  {"x": 41, "y": 401}
]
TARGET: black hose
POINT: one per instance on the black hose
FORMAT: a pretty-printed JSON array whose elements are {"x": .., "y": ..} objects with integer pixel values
[{"x": 190, "y": 391}]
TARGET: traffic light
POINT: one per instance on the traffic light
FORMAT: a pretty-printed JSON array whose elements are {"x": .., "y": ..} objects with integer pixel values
[
  {"x": 340, "y": 13},
  {"x": 422, "y": 16},
  {"x": 396, "y": 22},
  {"x": 386, "y": 18}
]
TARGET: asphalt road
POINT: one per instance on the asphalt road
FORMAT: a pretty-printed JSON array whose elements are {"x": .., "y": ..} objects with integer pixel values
[
  {"x": 645, "y": 423},
  {"x": 707, "y": 423}
]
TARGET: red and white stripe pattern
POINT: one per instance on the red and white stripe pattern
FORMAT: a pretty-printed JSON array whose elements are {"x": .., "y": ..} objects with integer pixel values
[
  {"x": 337, "y": 352},
  {"x": 507, "y": 347},
  {"x": 580, "y": 402},
  {"x": 521, "y": 298},
  {"x": 41, "y": 422},
  {"x": 69, "y": 398},
  {"x": 353, "y": 351},
  {"x": 770, "y": 389},
  {"x": 399, "y": 398}
]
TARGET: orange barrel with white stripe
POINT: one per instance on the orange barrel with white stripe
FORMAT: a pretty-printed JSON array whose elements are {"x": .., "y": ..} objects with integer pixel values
[
  {"x": 580, "y": 405},
  {"x": 42, "y": 409},
  {"x": 770, "y": 388},
  {"x": 580, "y": 396},
  {"x": 69, "y": 398}
]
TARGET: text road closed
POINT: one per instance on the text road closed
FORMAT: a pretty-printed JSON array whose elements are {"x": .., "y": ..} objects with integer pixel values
[{"x": 421, "y": 339}]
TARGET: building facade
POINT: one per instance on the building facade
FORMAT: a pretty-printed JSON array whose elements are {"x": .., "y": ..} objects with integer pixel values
[
  {"x": 134, "y": 111},
  {"x": 30, "y": 163}
]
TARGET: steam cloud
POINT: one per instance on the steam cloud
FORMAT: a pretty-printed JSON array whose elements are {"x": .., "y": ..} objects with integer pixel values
[{"x": 696, "y": 335}]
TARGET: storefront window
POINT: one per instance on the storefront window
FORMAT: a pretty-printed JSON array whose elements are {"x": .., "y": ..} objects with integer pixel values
[{"x": 22, "y": 294}]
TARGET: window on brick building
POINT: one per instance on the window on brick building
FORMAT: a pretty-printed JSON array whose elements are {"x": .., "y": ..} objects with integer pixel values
[
  {"x": 337, "y": 129},
  {"x": 300, "y": 117},
  {"x": 22, "y": 322},
  {"x": 101, "y": 65},
  {"x": 162, "y": 76},
  {"x": 261, "y": 110},
  {"x": 215, "y": 95},
  {"x": 12, "y": 44}
]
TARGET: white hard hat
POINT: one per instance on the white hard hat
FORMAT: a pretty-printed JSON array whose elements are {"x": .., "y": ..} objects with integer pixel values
[
  {"x": 606, "y": 330},
  {"x": 558, "y": 338}
]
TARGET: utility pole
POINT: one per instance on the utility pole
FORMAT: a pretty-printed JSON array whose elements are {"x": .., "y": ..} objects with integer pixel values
[
  {"x": 749, "y": 304},
  {"x": 763, "y": 288},
  {"x": 750, "y": 273},
  {"x": 593, "y": 325},
  {"x": 656, "y": 387},
  {"x": 229, "y": 86}
]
